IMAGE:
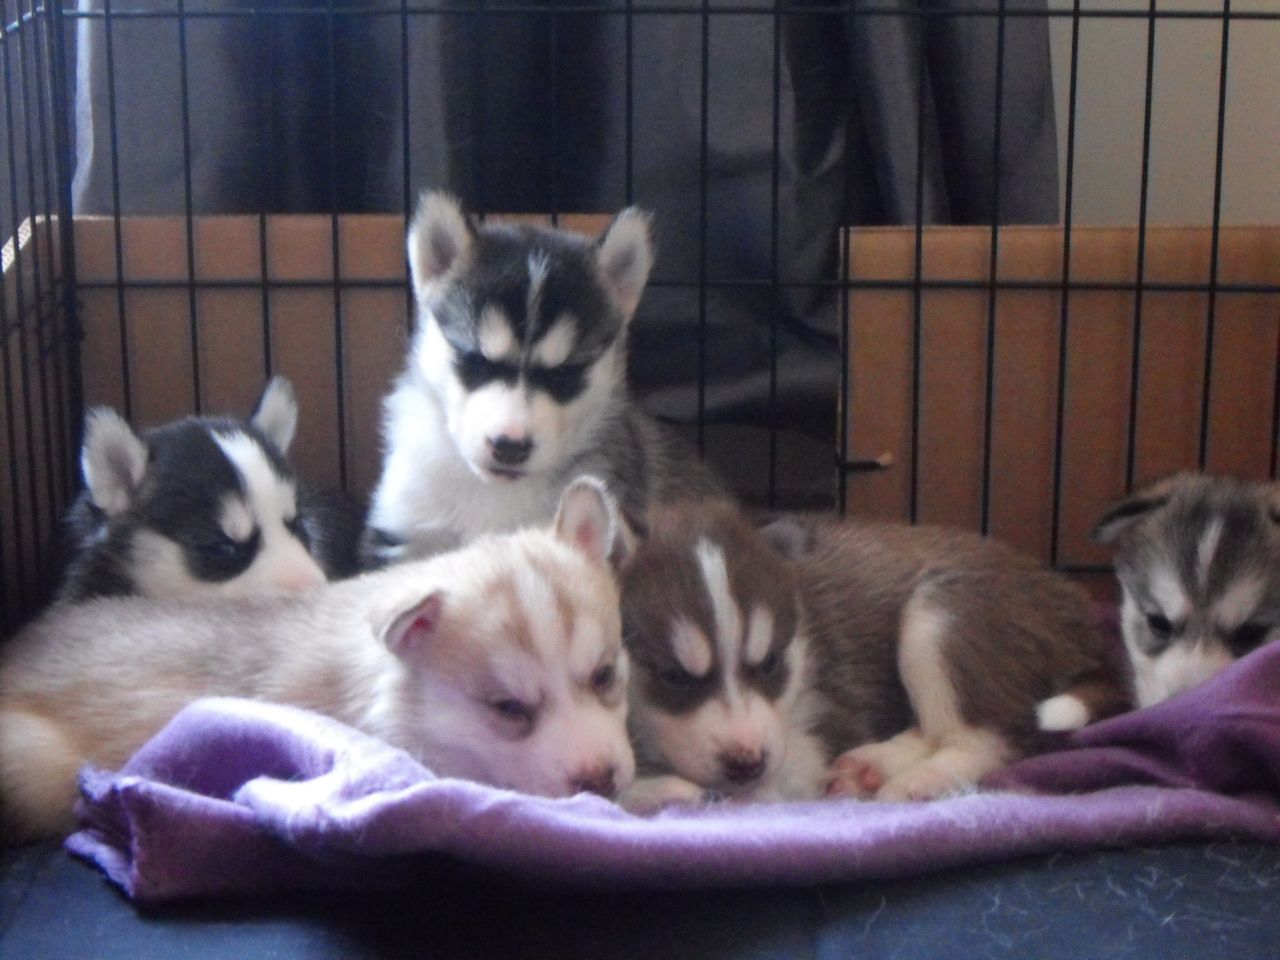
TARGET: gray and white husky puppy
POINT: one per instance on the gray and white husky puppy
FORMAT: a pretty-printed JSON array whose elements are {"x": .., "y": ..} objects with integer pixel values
[
  {"x": 516, "y": 383},
  {"x": 1198, "y": 559},
  {"x": 203, "y": 506}
]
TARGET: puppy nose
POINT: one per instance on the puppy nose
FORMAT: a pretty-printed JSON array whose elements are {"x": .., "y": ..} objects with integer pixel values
[
  {"x": 511, "y": 450},
  {"x": 743, "y": 766},
  {"x": 599, "y": 780}
]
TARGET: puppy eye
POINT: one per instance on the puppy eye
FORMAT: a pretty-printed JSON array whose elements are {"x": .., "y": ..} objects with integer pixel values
[
  {"x": 224, "y": 548},
  {"x": 1160, "y": 625},
  {"x": 512, "y": 709},
  {"x": 679, "y": 677},
  {"x": 299, "y": 529},
  {"x": 1249, "y": 635},
  {"x": 603, "y": 678},
  {"x": 769, "y": 665}
]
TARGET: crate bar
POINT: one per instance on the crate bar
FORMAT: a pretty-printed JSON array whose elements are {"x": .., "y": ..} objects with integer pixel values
[
  {"x": 1136, "y": 369},
  {"x": 114, "y": 136},
  {"x": 66, "y": 237},
  {"x": 20, "y": 303},
  {"x": 775, "y": 293},
  {"x": 553, "y": 94},
  {"x": 1275, "y": 415},
  {"x": 184, "y": 100},
  {"x": 37, "y": 279},
  {"x": 406, "y": 157},
  {"x": 704, "y": 83},
  {"x": 988, "y": 418},
  {"x": 335, "y": 245},
  {"x": 1211, "y": 317},
  {"x": 917, "y": 287},
  {"x": 845, "y": 290},
  {"x": 1064, "y": 314},
  {"x": 263, "y": 42},
  {"x": 479, "y": 104},
  {"x": 629, "y": 101}
]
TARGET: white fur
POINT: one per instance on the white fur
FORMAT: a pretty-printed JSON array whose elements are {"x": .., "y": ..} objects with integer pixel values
[
  {"x": 1166, "y": 588},
  {"x": 277, "y": 413},
  {"x": 113, "y": 460},
  {"x": 438, "y": 243},
  {"x": 625, "y": 256},
  {"x": 691, "y": 647},
  {"x": 1180, "y": 666},
  {"x": 556, "y": 344},
  {"x": 1206, "y": 548},
  {"x": 1238, "y": 603},
  {"x": 1063, "y": 712},
  {"x": 494, "y": 335},
  {"x": 759, "y": 635}
]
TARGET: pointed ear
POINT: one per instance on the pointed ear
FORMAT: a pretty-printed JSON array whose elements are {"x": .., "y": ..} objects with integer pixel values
[
  {"x": 625, "y": 254},
  {"x": 276, "y": 414},
  {"x": 789, "y": 537},
  {"x": 113, "y": 460},
  {"x": 1271, "y": 496},
  {"x": 439, "y": 240},
  {"x": 589, "y": 521},
  {"x": 1123, "y": 514},
  {"x": 412, "y": 630}
]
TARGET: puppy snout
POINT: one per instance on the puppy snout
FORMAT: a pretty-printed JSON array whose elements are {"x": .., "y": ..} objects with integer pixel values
[
  {"x": 599, "y": 780},
  {"x": 743, "y": 766},
  {"x": 511, "y": 451}
]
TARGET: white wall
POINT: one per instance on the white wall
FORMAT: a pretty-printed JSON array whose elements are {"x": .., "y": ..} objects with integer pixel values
[{"x": 1109, "y": 114}]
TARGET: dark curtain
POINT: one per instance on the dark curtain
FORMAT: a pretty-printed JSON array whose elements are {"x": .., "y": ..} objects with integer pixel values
[{"x": 529, "y": 112}]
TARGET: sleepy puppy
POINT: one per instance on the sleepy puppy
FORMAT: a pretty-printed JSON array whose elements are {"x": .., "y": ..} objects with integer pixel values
[
  {"x": 918, "y": 659},
  {"x": 501, "y": 663},
  {"x": 203, "y": 506},
  {"x": 516, "y": 382},
  {"x": 1198, "y": 558}
]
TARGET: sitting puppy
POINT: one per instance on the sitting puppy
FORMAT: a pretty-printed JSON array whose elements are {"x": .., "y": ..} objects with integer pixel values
[
  {"x": 501, "y": 663},
  {"x": 1198, "y": 559},
  {"x": 200, "y": 507},
  {"x": 921, "y": 658},
  {"x": 515, "y": 383}
]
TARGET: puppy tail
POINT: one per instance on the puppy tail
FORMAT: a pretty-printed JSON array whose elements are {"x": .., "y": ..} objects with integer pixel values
[{"x": 1091, "y": 697}]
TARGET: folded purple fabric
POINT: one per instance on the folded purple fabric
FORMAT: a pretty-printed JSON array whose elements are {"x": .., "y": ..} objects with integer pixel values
[{"x": 235, "y": 796}]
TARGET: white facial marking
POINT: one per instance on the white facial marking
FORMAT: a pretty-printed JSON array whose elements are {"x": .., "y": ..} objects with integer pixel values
[
  {"x": 724, "y": 610},
  {"x": 538, "y": 266},
  {"x": 236, "y": 520},
  {"x": 1167, "y": 590},
  {"x": 1206, "y": 548},
  {"x": 1238, "y": 603},
  {"x": 494, "y": 336},
  {"x": 691, "y": 647},
  {"x": 759, "y": 634},
  {"x": 556, "y": 345},
  {"x": 1180, "y": 667}
]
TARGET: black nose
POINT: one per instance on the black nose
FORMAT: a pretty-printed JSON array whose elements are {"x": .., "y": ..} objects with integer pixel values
[
  {"x": 742, "y": 767},
  {"x": 509, "y": 451},
  {"x": 599, "y": 780}
]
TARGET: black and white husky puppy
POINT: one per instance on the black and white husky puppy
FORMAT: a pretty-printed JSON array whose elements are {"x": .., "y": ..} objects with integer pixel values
[
  {"x": 516, "y": 383},
  {"x": 1198, "y": 558},
  {"x": 198, "y": 507}
]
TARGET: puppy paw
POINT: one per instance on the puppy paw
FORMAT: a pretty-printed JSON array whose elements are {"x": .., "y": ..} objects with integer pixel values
[
  {"x": 854, "y": 774},
  {"x": 924, "y": 781},
  {"x": 650, "y": 794}
]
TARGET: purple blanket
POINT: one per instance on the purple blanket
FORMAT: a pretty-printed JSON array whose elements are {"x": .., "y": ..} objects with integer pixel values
[{"x": 236, "y": 797}]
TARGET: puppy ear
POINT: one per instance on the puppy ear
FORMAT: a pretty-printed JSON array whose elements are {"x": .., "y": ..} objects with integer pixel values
[
  {"x": 276, "y": 414},
  {"x": 412, "y": 630},
  {"x": 789, "y": 537},
  {"x": 113, "y": 460},
  {"x": 589, "y": 521},
  {"x": 1271, "y": 496},
  {"x": 625, "y": 254},
  {"x": 439, "y": 240},
  {"x": 1123, "y": 514}
]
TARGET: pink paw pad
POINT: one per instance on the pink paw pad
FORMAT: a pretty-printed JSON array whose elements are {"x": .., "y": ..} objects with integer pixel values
[{"x": 853, "y": 776}]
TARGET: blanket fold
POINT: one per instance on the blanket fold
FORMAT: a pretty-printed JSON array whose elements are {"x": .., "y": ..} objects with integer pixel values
[{"x": 236, "y": 796}]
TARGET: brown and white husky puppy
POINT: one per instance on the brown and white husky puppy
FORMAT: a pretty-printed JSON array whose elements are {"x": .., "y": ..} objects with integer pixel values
[
  {"x": 501, "y": 663},
  {"x": 853, "y": 658},
  {"x": 1198, "y": 558}
]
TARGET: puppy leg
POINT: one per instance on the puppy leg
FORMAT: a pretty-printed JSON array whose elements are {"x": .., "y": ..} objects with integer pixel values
[
  {"x": 961, "y": 754},
  {"x": 862, "y": 771},
  {"x": 38, "y": 768},
  {"x": 649, "y": 794}
]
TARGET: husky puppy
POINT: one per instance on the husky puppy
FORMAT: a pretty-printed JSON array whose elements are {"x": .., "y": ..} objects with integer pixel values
[
  {"x": 918, "y": 659},
  {"x": 1198, "y": 558},
  {"x": 515, "y": 383},
  {"x": 199, "y": 507},
  {"x": 501, "y": 663}
]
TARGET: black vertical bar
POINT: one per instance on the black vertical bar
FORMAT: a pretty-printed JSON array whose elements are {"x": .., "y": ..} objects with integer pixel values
[
  {"x": 629, "y": 105},
  {"x": 406, "y": 152},
  {"x": 1064, "y": 317},
  {"x": 480, "y": 105},
  {"x": 1275, "y": 414},
  {"x": 1211, "y": 318},
  {"x": 184, "y": 95},
  {"x": 703, "y": 224},
  {"x": 1136, "y": 372},
  {"x": 993, "y": 276},
  {"x": 553, "y": 95},
  {"x": 917, "y": 291},
  {"x": 263, "y": 41},
  {"x": 846, "y": 290},
  {"x": 114, "y": 136},
  {"x": 66, "y": 235},
  {"x": 330, "y": 19},
  {"x": 775, "y": 302}
]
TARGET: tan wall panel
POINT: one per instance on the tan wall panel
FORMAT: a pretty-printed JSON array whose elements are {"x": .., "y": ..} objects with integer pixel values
[
  {"x": 303, "y": 348},
  {"x": 1171, "y": 382},
  {"x": 159, "y": 343},
  {"x": 374, "y": 345},
  {"x": 232, "y": 366},
  {"x": 101, "y": 361},
  {"x": 1246, "y": 355}
]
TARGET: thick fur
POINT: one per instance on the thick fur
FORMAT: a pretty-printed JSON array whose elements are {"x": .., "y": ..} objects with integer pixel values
[
  {"x": 515, "y": 384},
  {"x": 915, "y": 658},
  {"x": 502, "y": 663},
  {"x": 1198, "y": 558},
  {"x": 201, "y": 506}
]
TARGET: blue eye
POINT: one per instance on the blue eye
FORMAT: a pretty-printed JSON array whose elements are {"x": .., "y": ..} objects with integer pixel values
[
  {"x": 679, "y": 677},
  {"x": 512, "y": 709},
  {"x": 769, "y": 665},
  {"x": 603, "y": 678}
]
